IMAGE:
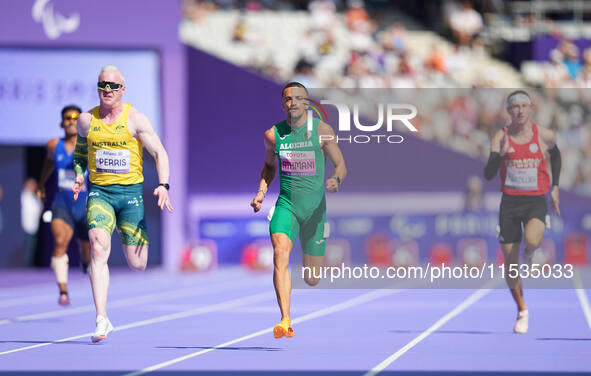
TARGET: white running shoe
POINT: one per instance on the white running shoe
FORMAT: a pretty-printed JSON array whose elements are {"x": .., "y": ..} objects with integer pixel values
[
  {"x": 521, "y": 325},
  {"x": 103, "y": 327}
]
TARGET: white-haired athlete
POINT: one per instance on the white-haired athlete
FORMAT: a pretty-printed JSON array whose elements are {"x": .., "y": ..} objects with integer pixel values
[{"x": 111, "y": 138}]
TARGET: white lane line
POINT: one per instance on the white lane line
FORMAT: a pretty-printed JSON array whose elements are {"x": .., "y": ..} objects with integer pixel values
[
  {"x": 477, "y": 295},
  {"x": 116, "y": 277},
  {"x": 580, "y": 290},
  {"x": 233, "y": 303},
  {"x": 51, "y": 292},
  {"x": 148, "y": 298},
  {"x": 367, "y": 297}
]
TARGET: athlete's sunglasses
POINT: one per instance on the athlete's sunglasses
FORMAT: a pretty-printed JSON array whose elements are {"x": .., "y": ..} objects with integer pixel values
[
  {"x": 72, "y": 116},
  {"x": 113, "y": 86}
]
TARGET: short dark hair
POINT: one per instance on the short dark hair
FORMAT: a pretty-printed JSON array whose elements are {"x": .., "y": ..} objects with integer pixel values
[
  {"x": 293, "y": 84},
  {"x": 71, "y": 107},
  {"x": 517, "y": 92}
]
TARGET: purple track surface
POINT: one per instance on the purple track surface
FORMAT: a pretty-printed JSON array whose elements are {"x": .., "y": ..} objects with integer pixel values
[{"x": 220, "y": 322}]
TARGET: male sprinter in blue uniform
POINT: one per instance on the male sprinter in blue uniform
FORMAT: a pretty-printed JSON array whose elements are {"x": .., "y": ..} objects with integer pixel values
[{"x": 68, "y": 215}]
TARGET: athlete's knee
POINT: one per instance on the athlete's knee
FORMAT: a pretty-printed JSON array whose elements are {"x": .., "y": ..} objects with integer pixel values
[
  {"x": 60, "y": 248},
  {"x": 311, "y": 281},
  {"x": 281, "y": 256},
  {"x": 99, "y": 247},
  {"x": 60, "y": 241},
  {"x": 532, "y": 241}
]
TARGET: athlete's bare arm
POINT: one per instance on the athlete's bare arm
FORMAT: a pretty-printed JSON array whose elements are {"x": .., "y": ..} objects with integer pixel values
[
  {"x": 268, "y": 172},
  {"x": 48, "y": 167},
  {"x": 500, "y": 142},
  {"x": 141, "y": 129},
  {"x": 331, "y": 148},
  {"x": 548, "y": 138},
  {"x": 83, "y": 124},
  {"x": 81, "y": 152}
]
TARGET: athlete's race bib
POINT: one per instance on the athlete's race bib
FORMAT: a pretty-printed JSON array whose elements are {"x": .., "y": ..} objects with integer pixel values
[
  {"x": 65, "y": 178},
  {"x": 298, "y": 163},
  {"x": 114, "y": 161},
  {"x": 524, "y": 179}
]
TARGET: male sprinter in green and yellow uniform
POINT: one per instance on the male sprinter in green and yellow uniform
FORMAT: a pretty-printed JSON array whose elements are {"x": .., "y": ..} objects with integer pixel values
[
  {"x": 110, "y": 139},
  {"x": 301, "y": 206}
]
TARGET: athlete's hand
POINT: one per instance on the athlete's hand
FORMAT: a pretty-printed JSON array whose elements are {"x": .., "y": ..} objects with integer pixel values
[
  {"x": 555, "y": 199},
  {"x": 332, "y": 185},
  {"x": 163, "y": 199},
  {"x": 78, "y": 185},
  {"x": 41, "y": 193},
  {"x": 257, "y": 201},
  {"x": 505, "y": 142}
]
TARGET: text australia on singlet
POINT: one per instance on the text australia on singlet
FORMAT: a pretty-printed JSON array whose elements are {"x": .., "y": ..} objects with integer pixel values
[{"x": 296, "y": 162}]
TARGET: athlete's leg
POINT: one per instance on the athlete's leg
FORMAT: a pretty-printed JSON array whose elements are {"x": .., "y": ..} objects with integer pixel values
[
  {"x": 101, "y": 223},
  {"x": 313, "y": 265},
  {"x": 81, "y": 230},
  {"x": 313, "y": 234},
  {"x": 511, "y": 254},
  {"x": 62, "y": 234},
  {"x": 137, "y": 256},
  {"x": 284, "y": 229},
  {"x": 131, "y": 224},
  {"x": 281, "y": 279},
  {"x": 84, "y": 247},
  {"x": 534, "y": 234},
  {"x": 100, "y": 249}
]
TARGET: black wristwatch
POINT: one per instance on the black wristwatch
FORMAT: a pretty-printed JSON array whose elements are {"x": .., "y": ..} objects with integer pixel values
[
  {"x": 337, "y": 178},
  {"x": 165, "y": 185}
]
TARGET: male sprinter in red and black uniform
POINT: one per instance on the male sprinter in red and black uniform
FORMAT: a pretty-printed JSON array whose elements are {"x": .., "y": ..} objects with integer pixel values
[{"x": 521, "y": 151}]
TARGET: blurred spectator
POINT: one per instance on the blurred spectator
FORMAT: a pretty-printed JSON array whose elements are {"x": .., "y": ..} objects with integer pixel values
[
  {"x": 457, "y": 62},
  {"x": 197, "y": 10},
  {"x": 436, "y": 60},
  {"x": 464, "y": 115},
  {"x": 583, "y": 177},
  {"x": 465, "y": 23},
  {"x": 304, "y": 74},
  {"x": 357, "y": 17},
  {"x": 239, "y": 33},
  {"x": 474, "y": 194},
  {"x": 555, "y": 72},
  {"x": 394, "y": 38},
  {"x": 323, "y": 14},
  {"x": 571, "y": 59},
  {"x": 31, "y": 208},
  {"x": 404, "y": 76},
  {"x": 584, "y": 79},
  {"x": 252, "y": 5}
]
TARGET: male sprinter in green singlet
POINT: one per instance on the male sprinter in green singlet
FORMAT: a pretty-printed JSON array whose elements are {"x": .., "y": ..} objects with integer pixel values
[
  {"x": 110, "y": 142},
  {"x": 301, "y": 206}
]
